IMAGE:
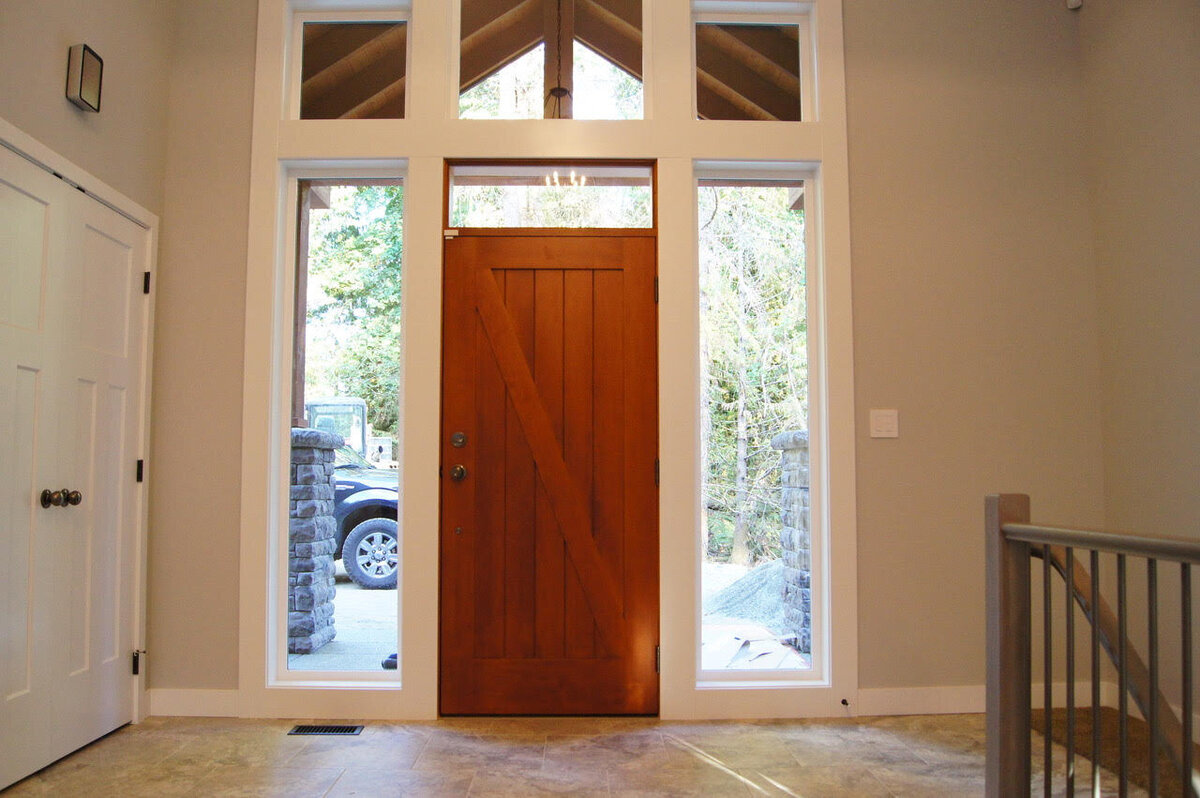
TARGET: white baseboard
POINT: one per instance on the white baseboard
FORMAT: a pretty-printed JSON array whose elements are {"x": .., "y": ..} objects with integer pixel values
[
  {"x": 194, "y": 703},
  {"x": 921, "y": 700}
]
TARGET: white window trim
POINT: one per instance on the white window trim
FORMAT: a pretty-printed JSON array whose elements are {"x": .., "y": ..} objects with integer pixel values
[
  {"x": 670, "y": 134},
  {"x": 277, "y": 613},
  {"x": 818, "y": 674},
  {"x": 327, "y": 12}
]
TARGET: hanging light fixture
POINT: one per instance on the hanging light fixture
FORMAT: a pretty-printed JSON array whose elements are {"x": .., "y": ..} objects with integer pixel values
[{"x": 558, "y": 92}]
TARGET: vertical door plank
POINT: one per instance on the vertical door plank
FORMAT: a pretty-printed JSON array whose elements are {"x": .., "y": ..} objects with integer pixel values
[
  {"x": 461, "y": 344},
  {"x": 548, "y": 374},
  {"x": 578, "y": 430},
  {"x": 641, "y": 449},
  {"x": 609, "y": 447},
  {"x": 519, "y": 524},
  {"x": 488, "y": 483}
]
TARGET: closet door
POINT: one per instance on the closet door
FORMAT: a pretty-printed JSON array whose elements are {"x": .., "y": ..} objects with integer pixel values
[{"x": 72, "y": 322}]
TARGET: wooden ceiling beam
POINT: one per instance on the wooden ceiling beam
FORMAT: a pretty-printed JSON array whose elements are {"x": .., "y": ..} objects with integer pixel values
[
  {"x": 746, "y": 77},
  {"x": 478, "y": 14},
  {"x": 500, "y": 42},
  {"x": 390, "y": 99},
  {"x": 626, "y": 12},
  {"x": 391, "y": 42},
  {"x": 784, "y": 74},
  {"x": 610, "y": 35},
  {"x": 733, "y": 98}
]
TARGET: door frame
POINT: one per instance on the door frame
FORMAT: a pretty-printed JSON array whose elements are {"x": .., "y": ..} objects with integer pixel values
[
  {"x": 650, "y": 232},
  {"x": 29, "y": 148}
]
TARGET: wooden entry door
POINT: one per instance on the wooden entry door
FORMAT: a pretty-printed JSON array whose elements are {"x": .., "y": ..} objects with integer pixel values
[{"x": 549, "y": 536}]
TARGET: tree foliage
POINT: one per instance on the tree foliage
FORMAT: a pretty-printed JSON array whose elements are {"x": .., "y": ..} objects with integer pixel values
[
  {"x": 754, "y": 359},
  {"x": 355, "y": 290}
]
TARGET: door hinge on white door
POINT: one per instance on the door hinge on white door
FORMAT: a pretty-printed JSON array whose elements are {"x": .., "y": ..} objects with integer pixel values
[
  {"x": 141, "y": 469},
  {"x": 137, "y": 661},
  {"x": 145, "y": 282}
]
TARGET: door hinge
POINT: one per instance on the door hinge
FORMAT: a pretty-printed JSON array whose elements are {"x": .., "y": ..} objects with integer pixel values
[
  {"x": 137, "y": 661},
  {"x": 141, "y": 469},
  {"x": 145, "y": 282},
  {"x": 656, "y": 289},
  {"x": 658, "y": 659},
  {"x": 657, "y": 472}
]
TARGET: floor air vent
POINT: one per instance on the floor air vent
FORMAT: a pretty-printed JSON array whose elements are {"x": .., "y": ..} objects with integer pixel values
[{"x": 324, "y": 729}]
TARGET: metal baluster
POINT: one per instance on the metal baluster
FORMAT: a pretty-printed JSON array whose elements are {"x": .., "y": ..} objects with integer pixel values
[
  {"x": 1095, "y": 674},
  {"x": 1047, "y": 675},
  {"x": 1122, "y": 677},
  {"x": 1070, "y": 670},
  {"x": 1185, "y": 596},
  {"x": 1152, "y": 700}
]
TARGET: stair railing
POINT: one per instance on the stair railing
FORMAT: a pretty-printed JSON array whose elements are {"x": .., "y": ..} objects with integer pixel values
[{"x": 1012, "y": 541}]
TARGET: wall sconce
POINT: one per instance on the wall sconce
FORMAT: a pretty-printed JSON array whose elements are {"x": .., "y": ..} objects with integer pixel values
[{"x": 85, "y": 70}]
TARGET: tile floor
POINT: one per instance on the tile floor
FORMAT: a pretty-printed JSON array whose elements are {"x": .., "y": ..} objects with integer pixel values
[{"x": 895, "y": 756}]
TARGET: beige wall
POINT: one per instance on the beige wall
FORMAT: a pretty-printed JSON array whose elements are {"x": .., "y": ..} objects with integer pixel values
[
  {"x": 974, "y": 309},
  {"x": 125, "y": 144},
  {"x": 975, "y": 264},
  {"x": 196, "y": 459},
  {"x": 1141, "y": 63}
]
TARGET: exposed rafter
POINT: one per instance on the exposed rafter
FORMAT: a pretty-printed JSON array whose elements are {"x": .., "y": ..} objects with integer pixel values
[{"x": 743, "y": 71}]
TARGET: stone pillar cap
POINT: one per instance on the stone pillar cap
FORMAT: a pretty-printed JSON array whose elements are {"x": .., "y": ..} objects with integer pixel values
[
  {"x": 792, "y": 439},
  {"x": 316, "y": 439}
]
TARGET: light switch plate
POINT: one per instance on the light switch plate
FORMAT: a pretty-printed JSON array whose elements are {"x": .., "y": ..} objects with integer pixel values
[{"x": 885, "y": 423}]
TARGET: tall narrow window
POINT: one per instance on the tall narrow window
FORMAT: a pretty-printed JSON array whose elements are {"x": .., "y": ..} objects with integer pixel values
[
  {"x": 756, "y": 570},
  {"x": 344, "y": 539},
  {"x": 553, "y": 59}
]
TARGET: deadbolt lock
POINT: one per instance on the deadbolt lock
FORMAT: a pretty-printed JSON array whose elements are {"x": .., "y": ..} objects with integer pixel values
[{"x": 458, "y": 440}]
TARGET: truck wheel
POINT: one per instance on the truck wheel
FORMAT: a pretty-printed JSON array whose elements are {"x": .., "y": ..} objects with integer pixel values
[{"x": 371, "y": 554}]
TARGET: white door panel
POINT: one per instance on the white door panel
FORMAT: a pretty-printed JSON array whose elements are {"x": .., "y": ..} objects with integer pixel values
[{"x": 70, "y": 387}]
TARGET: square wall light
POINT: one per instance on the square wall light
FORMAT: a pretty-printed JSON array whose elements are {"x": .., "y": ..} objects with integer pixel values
[{"x": 85, "y": 71}]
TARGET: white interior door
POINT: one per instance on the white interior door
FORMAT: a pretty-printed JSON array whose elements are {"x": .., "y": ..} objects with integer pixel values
[{"x": 72, "y": 322}]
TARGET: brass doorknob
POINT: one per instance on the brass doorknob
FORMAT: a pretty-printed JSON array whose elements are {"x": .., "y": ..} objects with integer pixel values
[
  {"x": 52, "y": 498},
  {"x": 74, "y": 498},
  {"x": 458, "y": 473}
]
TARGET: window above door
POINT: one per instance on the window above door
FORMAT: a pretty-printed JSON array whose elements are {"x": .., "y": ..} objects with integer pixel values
[{"x": 551, "y": 194}]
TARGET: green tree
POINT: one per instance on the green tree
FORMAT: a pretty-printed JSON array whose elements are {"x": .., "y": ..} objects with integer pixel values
[
  {"x": 754, "y": 360},
  {"x": 355, "y": 292}
]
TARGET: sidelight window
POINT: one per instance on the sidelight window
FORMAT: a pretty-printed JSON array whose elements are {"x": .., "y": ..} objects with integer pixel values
[
  {"x": 757, "y": 564},
  {"x": 343, "y": 555}
]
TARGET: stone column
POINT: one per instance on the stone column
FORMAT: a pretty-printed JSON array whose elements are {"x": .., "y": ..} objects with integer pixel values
[
  {"x": 795, "y": 537},
  {"x": 312, "y": 541}
]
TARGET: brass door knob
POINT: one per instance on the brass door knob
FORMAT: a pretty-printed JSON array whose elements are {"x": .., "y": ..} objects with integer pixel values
[
  {"x": 52, "y": 498},
  {"x": 458, "y": 473},
  {"x": 74, "y": 498}
]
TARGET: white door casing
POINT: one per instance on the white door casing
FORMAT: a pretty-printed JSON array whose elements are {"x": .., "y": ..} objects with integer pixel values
[{"x": 73, "y": 321}]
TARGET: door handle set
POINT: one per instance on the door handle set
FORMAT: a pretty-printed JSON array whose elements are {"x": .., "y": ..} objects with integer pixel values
[{"x": 61, "y": 498}]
